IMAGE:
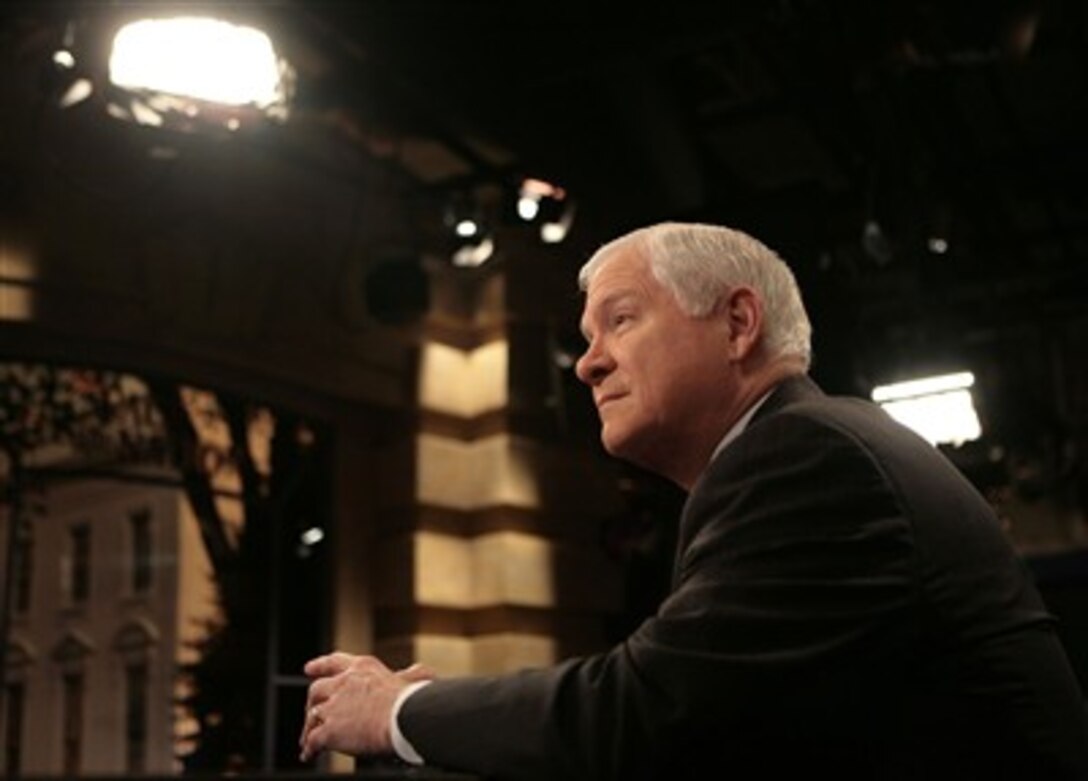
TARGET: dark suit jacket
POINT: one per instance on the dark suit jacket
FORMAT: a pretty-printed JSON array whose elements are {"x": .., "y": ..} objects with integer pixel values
[{"x": 845, "y": 605}]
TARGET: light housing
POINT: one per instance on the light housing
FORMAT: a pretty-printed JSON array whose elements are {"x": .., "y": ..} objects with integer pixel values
[
  {"x": 940, "y": 408},
  {"x": 198, "y": 57},
  {"x": 545, "y": 204},
  {"x": 471, "y": 239},
  {"x": 183, "y": 73}
]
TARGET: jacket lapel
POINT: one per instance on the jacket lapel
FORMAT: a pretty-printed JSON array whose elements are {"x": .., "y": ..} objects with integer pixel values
[{"x": 790, "y": 391}]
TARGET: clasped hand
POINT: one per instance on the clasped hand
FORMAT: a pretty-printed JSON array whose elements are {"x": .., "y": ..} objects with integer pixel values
[{"x": 350, "y": 703}]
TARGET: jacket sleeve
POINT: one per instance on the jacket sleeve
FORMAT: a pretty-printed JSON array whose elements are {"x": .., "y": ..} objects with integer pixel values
[{"x": 793, "y": 572}]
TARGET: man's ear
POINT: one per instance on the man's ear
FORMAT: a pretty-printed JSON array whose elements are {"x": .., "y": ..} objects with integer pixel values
[{"x": 742, "y": 309}]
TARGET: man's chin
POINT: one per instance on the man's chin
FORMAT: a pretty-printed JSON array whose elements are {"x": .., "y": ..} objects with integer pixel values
[
  {"x": 613, "y": 442},
  {"x": 623, "y": 445}
]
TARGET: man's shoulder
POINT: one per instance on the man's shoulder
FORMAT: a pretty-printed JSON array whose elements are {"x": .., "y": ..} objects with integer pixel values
[{"x": 798, "y": 404}]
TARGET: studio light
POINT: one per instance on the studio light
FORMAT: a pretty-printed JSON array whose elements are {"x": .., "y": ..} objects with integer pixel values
[
  {"x": 77, "y": 92},
  {"x": 186, "y": 73},
  {"x": 875, "y": 243},
  {"x": 63, "y": 58},
  {"x": 528, "y": 207},
  {"x": 201, "y": 58},
  {"x": 474, "y": 253},
  {"x": 939, "y": 408},
  {"x": 312, "y": 536},
  {"x": 530, "y": 195},
  {"x": 556, "y": 226},
  {"x": 937, "y": 245},
  {"x": 547, "y": 205},
  {"x": 472, "y": 243},
  {"x": 467, "y": 227}
]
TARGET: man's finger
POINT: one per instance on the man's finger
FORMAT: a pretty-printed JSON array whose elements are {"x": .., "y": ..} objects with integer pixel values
[
  {"x": 306, "y": 740},
  {"x": 311, "y": 744},
  {"x": 329, "y": 664},
  {"x": 320, "y": 690},
  {"x": 417, "y": 672}
]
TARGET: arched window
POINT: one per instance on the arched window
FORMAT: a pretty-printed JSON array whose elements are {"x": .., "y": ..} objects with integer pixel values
[
  {"x": 140, "y": 532},
  {"x": 24, "y": 568},
  {"x": 70, "y": 654},
  {"x": 19, "y": 656},
  {"x": 134, "y": 643}
]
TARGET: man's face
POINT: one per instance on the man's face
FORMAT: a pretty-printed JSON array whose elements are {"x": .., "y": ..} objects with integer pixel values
[{"x": 660, "y": 378}]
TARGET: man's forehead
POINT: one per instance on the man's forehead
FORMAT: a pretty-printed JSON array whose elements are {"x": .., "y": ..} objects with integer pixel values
[
  {"x": 618, "y": 271},
  {"x": 606, "y": 297},
  {"x": 614, "y": 284}
]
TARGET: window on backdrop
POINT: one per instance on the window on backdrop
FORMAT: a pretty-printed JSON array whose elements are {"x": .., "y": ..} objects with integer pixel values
[{"x": 193, "y": 510}]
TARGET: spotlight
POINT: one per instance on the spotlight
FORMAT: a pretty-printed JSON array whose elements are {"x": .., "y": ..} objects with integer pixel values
[
  {"x": 312, "y": 536},
  {"x": 556, "y": 224},
  {"x": 77, "y": 92},
  {"x": 940, "y": 229},
  {"x": 548, "y": 205},
  {"x": 940, "y": 408},
  {"x": 462, "y": 216},
  {"x": 937, "y": 245},
  {"x": 530, "y": 195},
  {"x": 206, "y": 59},
  {"x": 63, "y": 58},
  {"x": 467, "y": 228},
  {"x": 471, "y": 241},
  {"x": 875, "y": 243},
  {"x": 474, "y": 253},
  {"x": 184, "y": 73},
  {"x": 528, "y": 207}
]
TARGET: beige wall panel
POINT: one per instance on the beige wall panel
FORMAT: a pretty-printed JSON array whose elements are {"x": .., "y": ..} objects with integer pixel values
[
  {"x": 513, "y": 568},
  {"x": 444, "y": 570},
  {"x": 511, "y": 651},
  {"x": 445, "y": 655},
  {"x": 482, "y": 655},
  {"x": 502, "y": 568},
  {"x": 467, "y": 476},
  {"x": 463, "y": 382}
]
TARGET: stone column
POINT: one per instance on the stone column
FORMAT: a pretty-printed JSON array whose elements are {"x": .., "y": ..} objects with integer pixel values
[{"x": 487, "y": 551}]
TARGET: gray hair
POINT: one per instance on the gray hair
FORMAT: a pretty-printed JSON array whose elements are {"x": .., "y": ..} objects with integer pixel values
[{"x": 697, "y": 263}]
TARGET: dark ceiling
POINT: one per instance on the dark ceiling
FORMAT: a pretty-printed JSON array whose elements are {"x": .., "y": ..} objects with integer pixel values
[{"x": 846, "y": 135}]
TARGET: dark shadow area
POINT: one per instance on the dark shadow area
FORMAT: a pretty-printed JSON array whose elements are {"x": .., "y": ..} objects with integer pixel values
[{"x": 1062, "y": 579}]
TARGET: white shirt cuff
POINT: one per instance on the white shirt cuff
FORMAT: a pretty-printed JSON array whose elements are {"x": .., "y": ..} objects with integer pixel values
[{"x": 404, "y": 749}]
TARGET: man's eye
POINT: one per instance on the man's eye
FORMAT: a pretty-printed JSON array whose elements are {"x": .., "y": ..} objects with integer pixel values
[{"x": 620, "y": 319}]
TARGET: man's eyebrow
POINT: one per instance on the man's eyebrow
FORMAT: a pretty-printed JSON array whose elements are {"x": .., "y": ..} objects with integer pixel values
[
  {"x": 610, "y": 301},
  {"x": 616, "y": 297}
]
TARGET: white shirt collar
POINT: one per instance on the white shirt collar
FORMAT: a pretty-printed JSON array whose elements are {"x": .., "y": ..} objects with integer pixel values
[{"x": 740, "y": 425}]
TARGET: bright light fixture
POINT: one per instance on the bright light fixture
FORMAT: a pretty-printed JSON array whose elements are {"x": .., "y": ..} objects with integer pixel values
[
  {"x": 472, "y": 255},
  {"x": 532, "y": 192},
  {"x": 939, "y": 408},
  {"x": 528, "y": 208},
  {"x": 466, "y": 228},
  {"x": 554, "y": 231},
  {"x": 77, "y": 92},
  {"x": 63, "y": 58},
  {"x": 205, "y": 59},
  {"x": 546, "y": 202},
  {"x": 312, "y": 536}
]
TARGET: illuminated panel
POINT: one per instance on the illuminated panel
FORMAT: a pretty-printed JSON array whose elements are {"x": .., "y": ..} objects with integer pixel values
[
  {"x": 206, "y": 59},
  {"x": 939, "y": 408}
]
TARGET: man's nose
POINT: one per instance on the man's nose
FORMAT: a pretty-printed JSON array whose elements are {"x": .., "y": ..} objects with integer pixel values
[{"x": 594, "y": 364}]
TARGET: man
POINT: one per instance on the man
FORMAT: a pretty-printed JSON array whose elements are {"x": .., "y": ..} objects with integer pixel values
[{"x": 844, "y": 602}]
